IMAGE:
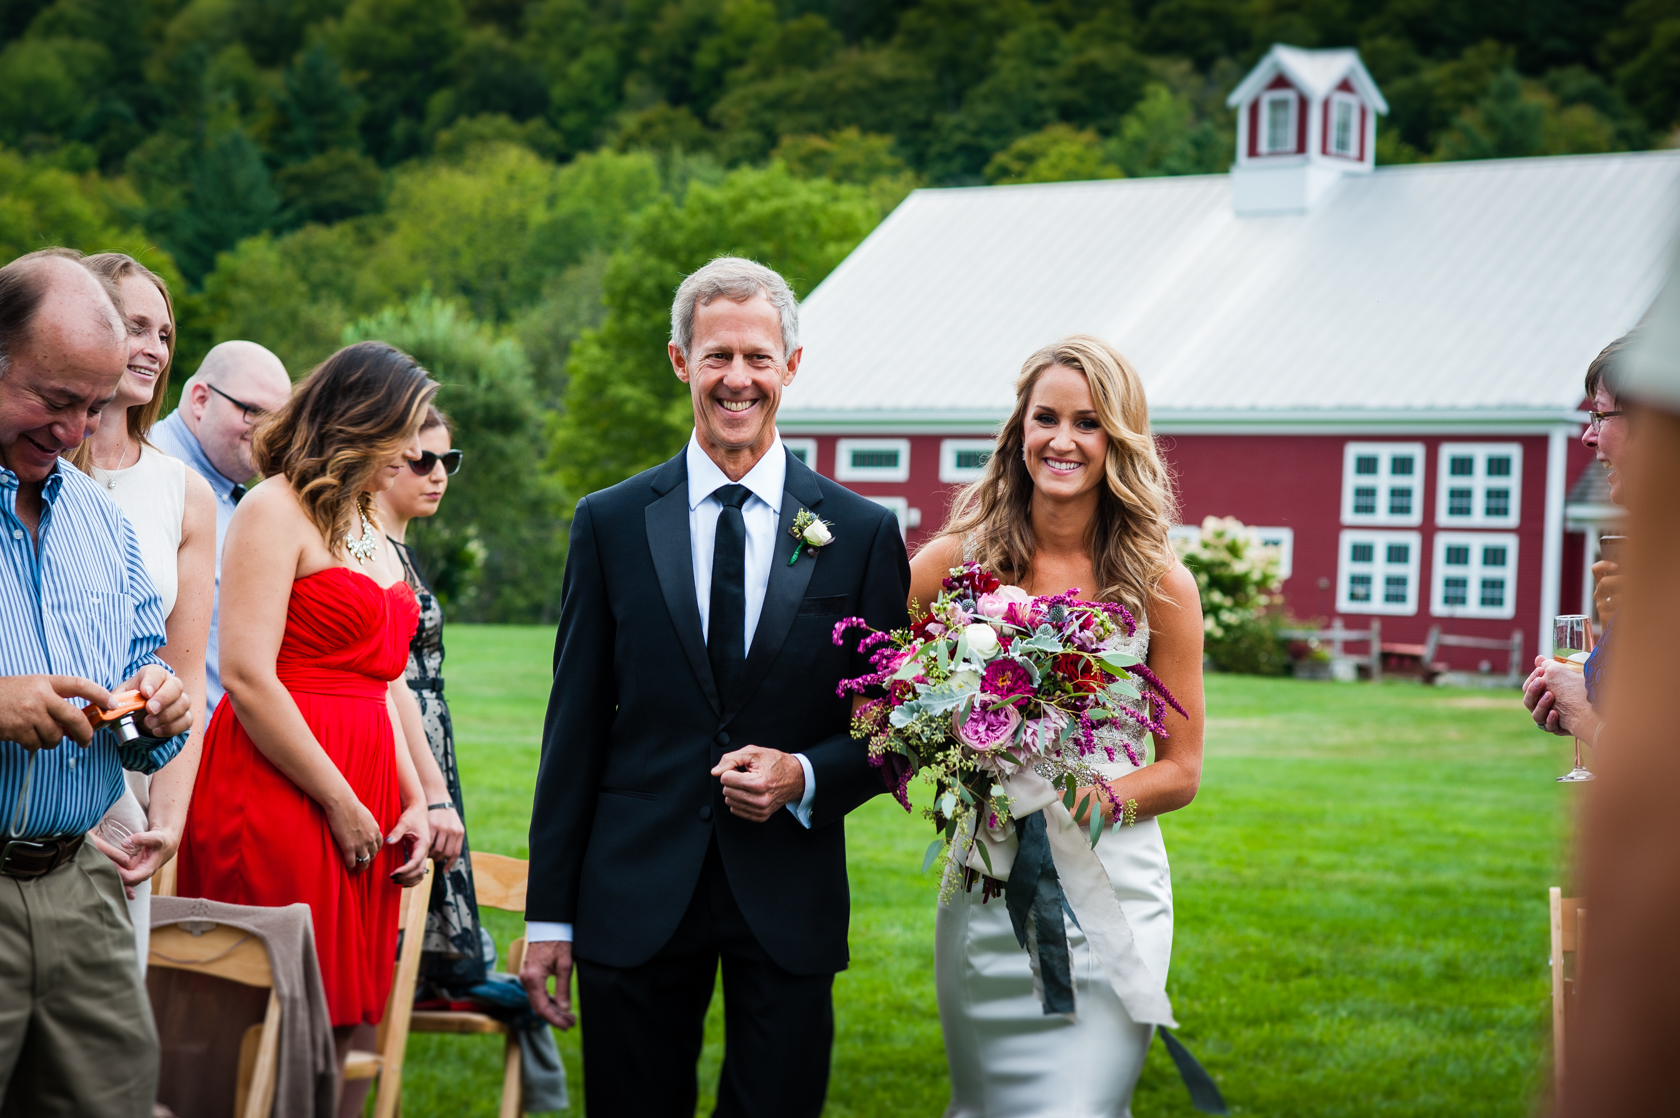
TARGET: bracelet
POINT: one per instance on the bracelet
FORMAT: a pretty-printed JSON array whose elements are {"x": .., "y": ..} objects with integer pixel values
[
  {"x": 1129, "y": 817},
  {"x": 439, "y": 807}
]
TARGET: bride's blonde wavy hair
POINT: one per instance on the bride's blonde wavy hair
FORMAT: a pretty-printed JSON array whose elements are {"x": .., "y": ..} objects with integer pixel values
[
  {"x": 347, "y": 420},
  {"x": 1128, "y": 541}
]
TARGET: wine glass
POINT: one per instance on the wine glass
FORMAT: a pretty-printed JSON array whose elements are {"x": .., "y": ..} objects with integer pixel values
[{"x": 1572, "y": 640}]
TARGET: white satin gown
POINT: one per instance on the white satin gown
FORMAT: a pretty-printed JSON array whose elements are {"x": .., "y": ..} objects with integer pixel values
[{"x": 1007, "y": 1058}]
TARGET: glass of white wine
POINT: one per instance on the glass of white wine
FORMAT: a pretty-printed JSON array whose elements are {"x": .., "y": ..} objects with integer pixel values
[{"x": 1572, "y": 642}]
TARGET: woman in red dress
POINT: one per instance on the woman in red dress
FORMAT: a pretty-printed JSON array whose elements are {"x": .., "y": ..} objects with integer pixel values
[{"x": 309, "y": 789}]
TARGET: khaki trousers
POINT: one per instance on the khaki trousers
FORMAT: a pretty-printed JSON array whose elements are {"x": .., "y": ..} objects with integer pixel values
[{"x": 76, "y": 1031}]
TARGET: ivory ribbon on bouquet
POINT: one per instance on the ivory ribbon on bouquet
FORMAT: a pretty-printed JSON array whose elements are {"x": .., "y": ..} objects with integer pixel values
[{"x": 1085, "y": 885}]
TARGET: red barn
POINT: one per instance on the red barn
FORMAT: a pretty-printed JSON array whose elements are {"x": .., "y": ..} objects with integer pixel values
[{"x": 1380, "y": 369}]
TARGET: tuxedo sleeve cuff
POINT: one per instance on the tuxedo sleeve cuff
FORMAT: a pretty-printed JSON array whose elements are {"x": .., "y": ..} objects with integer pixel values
[
  {"x": 544, "y": 931},
  {"x": 802, "y": 810}
]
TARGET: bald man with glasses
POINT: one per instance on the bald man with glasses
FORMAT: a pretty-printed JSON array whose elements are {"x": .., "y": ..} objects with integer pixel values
[{"x": 235, "y": 386}]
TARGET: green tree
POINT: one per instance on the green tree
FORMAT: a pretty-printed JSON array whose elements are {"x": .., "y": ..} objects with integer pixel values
[
  {"x": 1057, "y": 153},
  {"x": 1504, "y": 123},
  {"x": 398, "y": 52},
  {"x": 624, "y": 408},
  {"x": 1162, "y": 135},
  {"x": 494, "y": 551},
  {"x": 1238, "y": 581}
]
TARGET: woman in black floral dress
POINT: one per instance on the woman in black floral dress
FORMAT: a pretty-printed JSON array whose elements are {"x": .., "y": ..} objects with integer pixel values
[{"x": 453, "y": 954}]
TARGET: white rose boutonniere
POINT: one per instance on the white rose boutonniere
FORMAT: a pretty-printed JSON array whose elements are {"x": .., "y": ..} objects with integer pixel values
[{"x": 810, "y": 532}]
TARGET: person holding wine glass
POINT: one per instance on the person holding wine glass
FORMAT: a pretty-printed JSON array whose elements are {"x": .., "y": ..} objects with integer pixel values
[{"x": 1564, "y": 699}]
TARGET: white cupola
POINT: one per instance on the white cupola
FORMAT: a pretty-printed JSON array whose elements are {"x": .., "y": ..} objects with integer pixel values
[{"x": 1305, "y": 118}]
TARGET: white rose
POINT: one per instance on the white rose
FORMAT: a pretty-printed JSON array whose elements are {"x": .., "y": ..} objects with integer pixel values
[
  {"x": 982, "y": 640},
  {"x": 817, "y": 534}
]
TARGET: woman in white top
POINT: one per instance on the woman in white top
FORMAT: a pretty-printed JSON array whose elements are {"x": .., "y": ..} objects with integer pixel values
[{"x": 173, "y": 513}]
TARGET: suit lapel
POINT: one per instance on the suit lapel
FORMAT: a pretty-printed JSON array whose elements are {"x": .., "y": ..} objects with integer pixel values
[
  {"x": 786, "y": 588},
  {"x": 673, "y": 561}
]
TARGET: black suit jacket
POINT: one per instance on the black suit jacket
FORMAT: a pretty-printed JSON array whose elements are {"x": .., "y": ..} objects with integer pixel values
[{"x": 625, "y": 803}]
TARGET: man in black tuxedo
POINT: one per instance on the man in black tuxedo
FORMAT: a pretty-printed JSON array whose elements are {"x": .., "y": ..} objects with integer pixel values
[{"x": 697, "y": 763}]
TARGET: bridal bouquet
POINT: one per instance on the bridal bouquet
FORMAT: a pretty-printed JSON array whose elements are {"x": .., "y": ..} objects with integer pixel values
[{"x": 992, "y": 685}]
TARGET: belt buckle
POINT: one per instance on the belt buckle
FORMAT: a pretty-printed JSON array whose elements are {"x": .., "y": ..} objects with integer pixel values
[{"x": 41, "y": 848}]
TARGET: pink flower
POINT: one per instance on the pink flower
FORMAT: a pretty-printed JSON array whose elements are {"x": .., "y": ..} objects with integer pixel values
[
  {"x": 1038, "y": 735},
  {"x": 1005, "y": 678},
  {"x": 987, "y": 728},
  {"x": 995, "y": 606}
]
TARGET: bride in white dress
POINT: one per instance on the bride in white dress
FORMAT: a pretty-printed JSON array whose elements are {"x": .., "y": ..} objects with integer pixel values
[{"x": 1074, "y": 496}]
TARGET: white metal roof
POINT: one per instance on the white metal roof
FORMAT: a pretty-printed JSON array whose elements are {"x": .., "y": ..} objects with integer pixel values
[
  {"x": 1472, "y": 292},
  {"x": 1314, "y": 72}
]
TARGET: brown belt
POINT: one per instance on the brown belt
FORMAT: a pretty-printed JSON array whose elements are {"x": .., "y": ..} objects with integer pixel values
[{"x": 37, "y": 857}]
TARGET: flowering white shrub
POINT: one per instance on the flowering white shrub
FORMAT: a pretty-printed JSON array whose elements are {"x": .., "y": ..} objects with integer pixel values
[{"x": 1238, "y": 579}]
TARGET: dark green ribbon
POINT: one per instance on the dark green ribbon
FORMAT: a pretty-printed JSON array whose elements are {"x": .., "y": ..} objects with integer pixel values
[{"x": 1034, "y": 892}]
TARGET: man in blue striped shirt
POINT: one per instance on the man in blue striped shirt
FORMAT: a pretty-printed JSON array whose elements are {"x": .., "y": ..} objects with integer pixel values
[{"x": 79, "y": 618}]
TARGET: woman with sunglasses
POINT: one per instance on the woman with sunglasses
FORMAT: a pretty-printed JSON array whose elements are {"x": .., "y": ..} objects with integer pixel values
[{"x": 452, "y": 955}]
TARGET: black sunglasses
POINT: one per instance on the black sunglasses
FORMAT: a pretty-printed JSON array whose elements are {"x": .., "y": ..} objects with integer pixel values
[{"x": 429, "y": 459}]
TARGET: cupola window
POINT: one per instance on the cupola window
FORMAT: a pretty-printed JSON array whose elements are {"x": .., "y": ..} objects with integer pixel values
[
  {"x": 1279, "y": 115},
  {"x": 1344, "y": 127}
]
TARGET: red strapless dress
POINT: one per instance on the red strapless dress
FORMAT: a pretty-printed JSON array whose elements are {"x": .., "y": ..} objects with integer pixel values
[{"x": 253, "y": 837}]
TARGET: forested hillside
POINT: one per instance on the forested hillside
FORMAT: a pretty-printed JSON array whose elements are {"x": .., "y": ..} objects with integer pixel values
[{"x": 512, "y": 189}]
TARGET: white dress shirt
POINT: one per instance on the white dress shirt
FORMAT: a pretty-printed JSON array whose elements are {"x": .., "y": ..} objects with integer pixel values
[{"x": 761, "y": 514}]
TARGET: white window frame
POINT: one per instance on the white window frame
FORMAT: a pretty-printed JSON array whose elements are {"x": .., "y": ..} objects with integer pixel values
[
  {"x": 845, "y": 471},
  {"x": 809, "y": 446},
  {"x": 949, "y": 471},
  {"x": 1337, "y": 102},
  {"x": 1379, "y": 569},
  {"x": 1385, "y": 482},
  {"x": 1474, "y": 572},
  {"x": 1281, "y": 538},
  {"x": 1478, "y": 483},
  {"x": 1284, "y": 540},
  {"x": 909, "y": 519},
  {"x": 1291, "y": 139}
]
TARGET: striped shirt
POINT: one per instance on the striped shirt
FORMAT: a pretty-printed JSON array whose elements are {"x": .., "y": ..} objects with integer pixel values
[{"x": 77, "y": 603}]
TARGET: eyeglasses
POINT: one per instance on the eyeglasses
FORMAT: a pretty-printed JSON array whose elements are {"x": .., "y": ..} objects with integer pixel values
[
  {"x": 251, "y": 411},
  {"x": 428, "y": 460},
  {"x": 1595, "y": 419}
]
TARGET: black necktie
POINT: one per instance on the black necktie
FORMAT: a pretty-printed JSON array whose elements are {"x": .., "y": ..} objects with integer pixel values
[
  {"x": 726, "y": 630},
  {"x": 236, "y": 492}
]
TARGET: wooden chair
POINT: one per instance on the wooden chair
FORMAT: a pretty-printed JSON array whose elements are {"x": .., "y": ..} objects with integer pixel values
[
  {"x": 229, "y": 953},
  {"x": 500, "y": 883},
  {"x": 385, "y": 1064},
  {"x": 1569, "y": 926}
]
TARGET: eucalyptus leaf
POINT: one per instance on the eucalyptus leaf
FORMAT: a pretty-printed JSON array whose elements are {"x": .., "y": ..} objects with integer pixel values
[
  {"x": 1124, "y": 688},
  {"x": 985, "y": 855},
  {"x": 1067, "y": 797},
  {"x": 1114, "y": 658},
  {"x": 1096, "y": 825},
  {"x": 932, "y": 853}
]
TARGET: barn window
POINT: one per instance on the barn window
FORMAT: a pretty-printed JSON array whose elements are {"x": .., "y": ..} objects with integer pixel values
[
  {"x": 1484, "y": 485},
  {"x": 1475, "y": 575},
  {"x": 872, "y": 460},
  {"x": 963, "y": 460},
  {"x": 1278, "y": 122},
  {"x": 1344, "y": 127},
  {"x": 1378, "y": 572},
  {"x": 803, "y": 449},
  {"x": 1382, "y": 484}
]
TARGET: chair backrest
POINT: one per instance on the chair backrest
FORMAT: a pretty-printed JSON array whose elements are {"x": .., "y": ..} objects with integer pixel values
[
  {"x": 1569, "y": 920},
  {"x": 499, "y": 881},
  {"x": 199, "y": 1016}
]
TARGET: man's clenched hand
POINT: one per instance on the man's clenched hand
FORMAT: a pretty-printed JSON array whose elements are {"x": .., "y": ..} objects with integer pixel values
[{"x": 758, "y": 782}]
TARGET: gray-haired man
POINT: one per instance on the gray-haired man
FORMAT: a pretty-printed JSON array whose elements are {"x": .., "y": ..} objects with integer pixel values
[
  {"x": 79, "y": 617},
  {"x": 697, "y": 761}
]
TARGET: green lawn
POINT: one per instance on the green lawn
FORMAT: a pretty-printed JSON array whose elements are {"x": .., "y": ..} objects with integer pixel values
[{"x": 1361, "y": 918}]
